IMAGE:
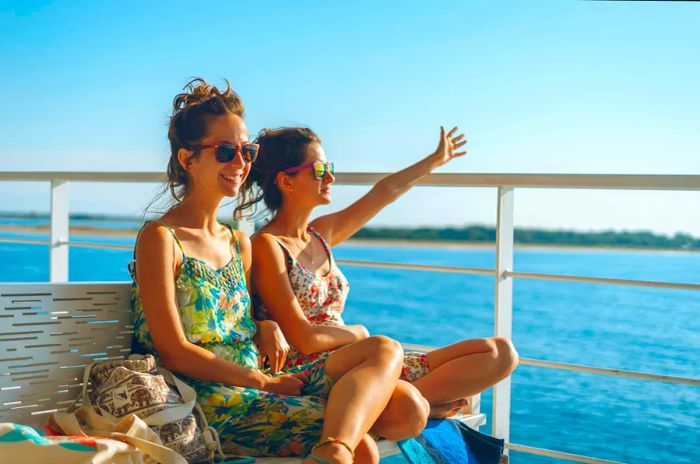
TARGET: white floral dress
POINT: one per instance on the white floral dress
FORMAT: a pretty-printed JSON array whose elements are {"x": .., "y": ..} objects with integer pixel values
[{"x": 322, "y": 298}]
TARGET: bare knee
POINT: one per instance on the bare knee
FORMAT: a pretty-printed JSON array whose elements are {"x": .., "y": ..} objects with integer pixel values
[
  {"x": 382, "y": 342},
  {"x": 417, "y": 412},
  {"x": 506, "y": 356},
  {"x": 388, "y": 349},
  {"x": 406, "y": 415}
]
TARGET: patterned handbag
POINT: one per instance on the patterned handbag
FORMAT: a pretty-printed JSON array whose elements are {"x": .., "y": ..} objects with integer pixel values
[{"x": 165, "y": 403}]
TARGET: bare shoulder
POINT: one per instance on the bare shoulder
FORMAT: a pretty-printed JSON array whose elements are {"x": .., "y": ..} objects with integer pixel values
[
  {"x": 262, "y": 238},
  {"x": 324, "y": 227},
  {"x": 243, "y": 240},
  {"x": 154, "y": 237},
  {"x": 266, "y": 247},
  {"x": 156, "y": 253}
]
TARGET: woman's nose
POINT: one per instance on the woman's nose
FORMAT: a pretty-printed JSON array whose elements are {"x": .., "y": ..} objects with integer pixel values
[{"x": 238, "y": 159}]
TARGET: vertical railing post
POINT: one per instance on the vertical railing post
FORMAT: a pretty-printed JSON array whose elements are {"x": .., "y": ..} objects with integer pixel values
[
  {"x": 58, "y": 250},
  {"x": 503, "y": 318}
]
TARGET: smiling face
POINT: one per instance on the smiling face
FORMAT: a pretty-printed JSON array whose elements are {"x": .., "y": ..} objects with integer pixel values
[{"x": 210, "y": 176}]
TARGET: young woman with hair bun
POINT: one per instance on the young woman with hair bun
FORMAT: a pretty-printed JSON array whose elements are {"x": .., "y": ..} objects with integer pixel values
[{"x": 192, "y": 310}]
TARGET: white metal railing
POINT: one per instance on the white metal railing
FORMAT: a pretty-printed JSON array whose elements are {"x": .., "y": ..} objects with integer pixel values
[{"x": 504, "y": 274}]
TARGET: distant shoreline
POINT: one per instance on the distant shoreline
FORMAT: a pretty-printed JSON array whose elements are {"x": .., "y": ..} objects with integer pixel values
[
  {"x": 446, "y": 244},
  {"x": 443, "y": 244},
  {"x": 73, "y": 230}
]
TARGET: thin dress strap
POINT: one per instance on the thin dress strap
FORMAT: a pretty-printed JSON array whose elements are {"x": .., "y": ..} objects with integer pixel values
[
  {"x": 132, "y": 265},
  {"x": 285, "y": 250},
  {"x": 172, "y": 232},
  {"x": 235, "y": 242},
  {"x": 323, "y": 242}
]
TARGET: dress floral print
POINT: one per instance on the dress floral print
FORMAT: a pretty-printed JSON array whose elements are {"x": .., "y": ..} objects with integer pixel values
[
  {"x": 323, "y": 299},
  {"x": 215, "y": 312}
]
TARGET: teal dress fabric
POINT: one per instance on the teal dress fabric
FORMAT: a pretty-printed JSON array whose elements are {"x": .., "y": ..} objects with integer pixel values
[{"x": 215, "y": 311}]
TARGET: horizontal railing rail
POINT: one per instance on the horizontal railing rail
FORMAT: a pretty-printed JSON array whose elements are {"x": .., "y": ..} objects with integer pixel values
[
  {"x": 610, "y": 372},
  {"x": 605, "y": 280},
  {"x": 558, "y": 454},
  {"x": 418, "y": 267},
  {"x": 558, "y": 181},
  {"x": 583, "y": 368},
  {"x": 28, "y": 241},
  {"x": 503, "y": 273}
]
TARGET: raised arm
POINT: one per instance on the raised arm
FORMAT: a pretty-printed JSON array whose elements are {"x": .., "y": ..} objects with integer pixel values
[
  {"x": 338, "y": 227},
  {"x": 156, "y": 266},
  {"x": 271, "y": 284}
]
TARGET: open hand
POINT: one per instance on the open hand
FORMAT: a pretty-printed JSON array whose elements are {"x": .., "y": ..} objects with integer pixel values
[
  {"x": 272, "y": 344},
  {"x": 449, "y": 145}
]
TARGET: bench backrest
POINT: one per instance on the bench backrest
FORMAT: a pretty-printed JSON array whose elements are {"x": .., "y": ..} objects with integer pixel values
[{"x": 48, "y": 334}]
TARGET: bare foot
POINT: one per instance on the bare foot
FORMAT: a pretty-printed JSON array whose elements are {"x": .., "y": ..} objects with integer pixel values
[{"x": 441, "y": 411}]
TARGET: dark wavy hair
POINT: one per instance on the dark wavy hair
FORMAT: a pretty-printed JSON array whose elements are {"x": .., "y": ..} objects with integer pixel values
[
  {"x": 280, "y": 149},
  {"x": 189, "y": 123}
]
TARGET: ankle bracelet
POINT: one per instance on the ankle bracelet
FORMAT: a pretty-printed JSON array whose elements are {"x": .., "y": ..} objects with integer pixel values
[{"x": 328, "y": 440}]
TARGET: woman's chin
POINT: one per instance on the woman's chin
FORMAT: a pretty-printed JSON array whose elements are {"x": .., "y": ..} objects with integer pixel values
[{"x": 230, "y": 190}]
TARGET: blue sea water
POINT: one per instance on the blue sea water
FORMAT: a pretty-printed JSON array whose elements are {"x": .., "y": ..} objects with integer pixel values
[{"x": 632, "y": 328}]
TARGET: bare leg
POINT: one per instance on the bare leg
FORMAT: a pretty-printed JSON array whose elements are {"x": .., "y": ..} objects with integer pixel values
[
  {"x": 406, "y": 414},
  {"x": 365, "y": 375},
  {"x": 366, "y": 451},
  {"x": 465, "y": 368}
]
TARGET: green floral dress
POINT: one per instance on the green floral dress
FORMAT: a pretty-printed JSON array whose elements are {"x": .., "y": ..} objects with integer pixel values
[{"x": 215, "y": 312}]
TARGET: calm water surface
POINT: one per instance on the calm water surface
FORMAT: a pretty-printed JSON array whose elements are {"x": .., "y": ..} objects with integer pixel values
[{"x": 640, "y": 329}]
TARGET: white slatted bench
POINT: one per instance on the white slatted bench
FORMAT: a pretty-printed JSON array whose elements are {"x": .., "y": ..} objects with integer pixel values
[{"x": 50, "y": 332}]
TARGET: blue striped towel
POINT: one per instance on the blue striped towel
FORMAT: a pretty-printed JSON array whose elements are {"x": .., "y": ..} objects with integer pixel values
[{"x": 448, "y": 441}]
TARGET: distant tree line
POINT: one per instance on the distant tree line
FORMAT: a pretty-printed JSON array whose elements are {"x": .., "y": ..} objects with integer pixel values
[{"x": 640, "y": 239}]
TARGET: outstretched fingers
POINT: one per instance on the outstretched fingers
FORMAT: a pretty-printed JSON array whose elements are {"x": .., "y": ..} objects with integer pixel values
[
  {"x": 457, "y": 142},
  {"x": 459, "y": 139},
  {"x": 450, "y": 142},
  {"x": 456, "y": 145}
]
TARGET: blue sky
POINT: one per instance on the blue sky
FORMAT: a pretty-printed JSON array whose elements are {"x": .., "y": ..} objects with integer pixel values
[{"x": 547, "y": 86}]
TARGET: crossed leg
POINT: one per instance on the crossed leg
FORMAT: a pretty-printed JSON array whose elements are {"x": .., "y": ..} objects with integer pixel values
[
  {"x": 463, "y": 369},
  {"x": 364, "y": 375}
]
